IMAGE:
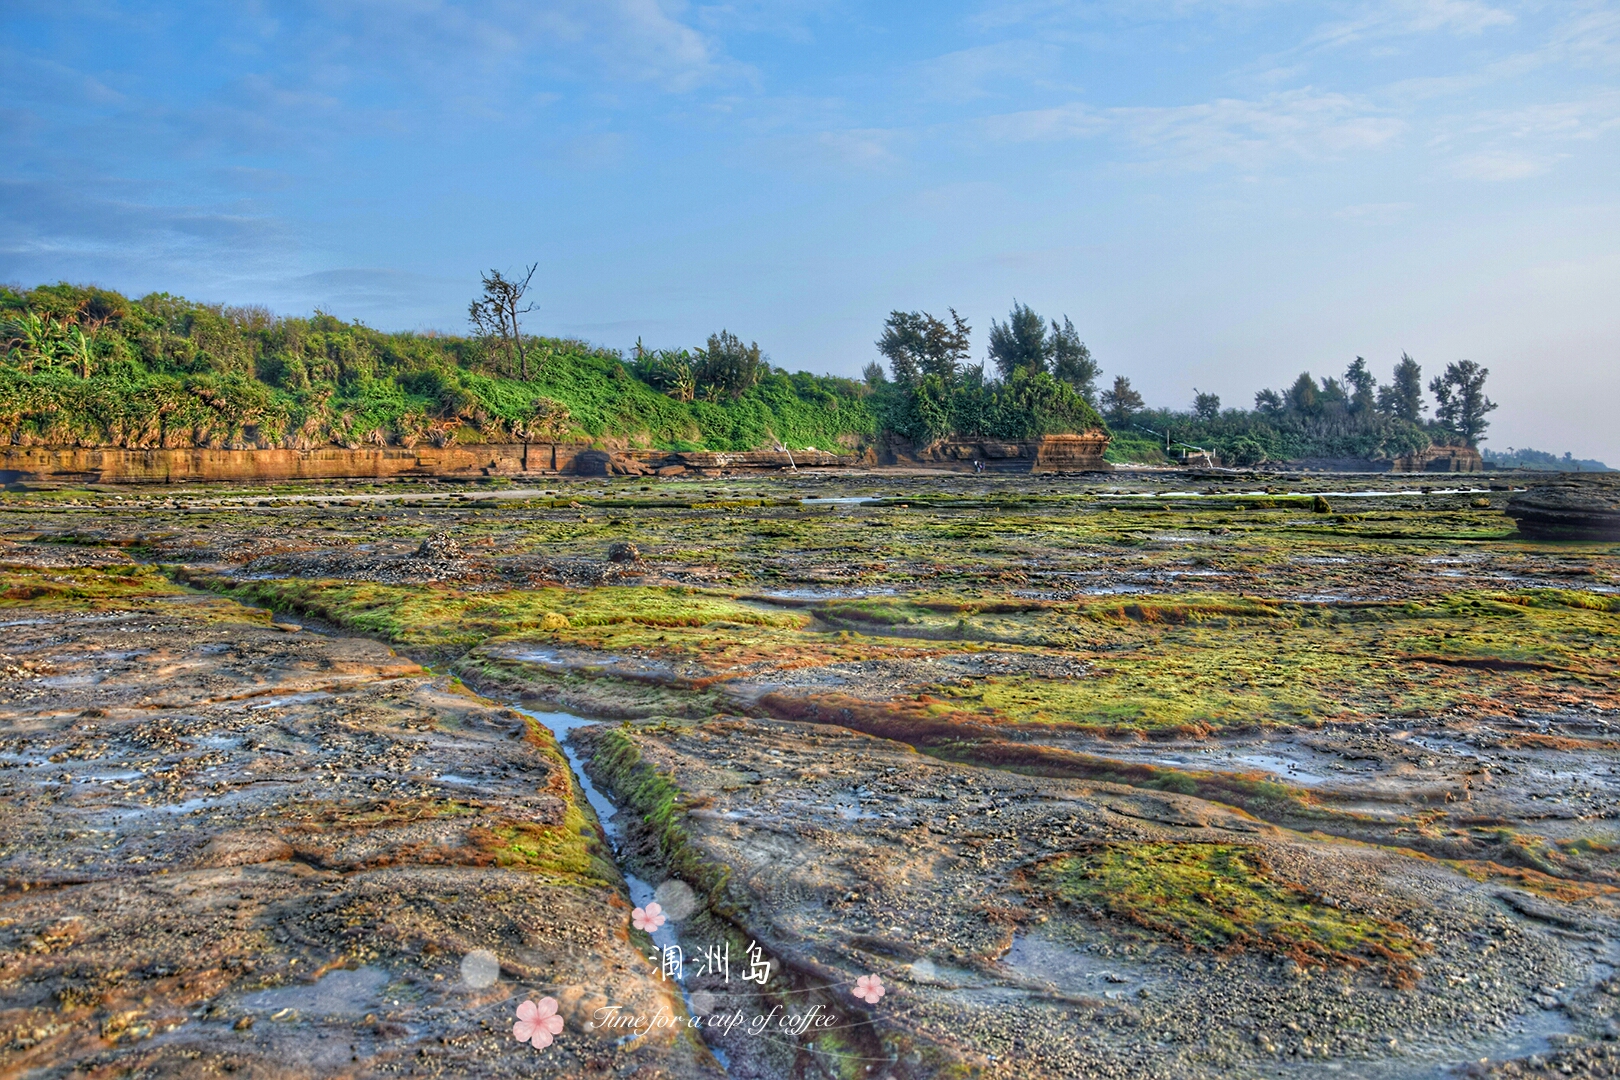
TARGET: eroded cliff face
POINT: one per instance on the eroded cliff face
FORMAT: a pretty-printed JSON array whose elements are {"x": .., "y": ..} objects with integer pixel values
[
  {"x": 1440, "y": 459},
  {"x": 116, "y": 466},
  {"x": 40, "y": 464},
  {"x": 1049, "y": 453}
]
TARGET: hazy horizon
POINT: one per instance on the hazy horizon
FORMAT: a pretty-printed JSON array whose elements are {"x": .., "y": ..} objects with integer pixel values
[{"x": 1219, "y": 194}]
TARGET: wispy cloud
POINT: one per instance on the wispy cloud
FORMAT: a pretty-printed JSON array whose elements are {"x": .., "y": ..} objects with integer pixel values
[
  {"x": 968, "y": 74},
  {"x": 1246, "y": 133},
  {"x": 1499, "y": 165},
  {"x": 1400, "y": 18},
  {"x": 1383, "y": 211},
  {"x": 1519, "y": 143}
]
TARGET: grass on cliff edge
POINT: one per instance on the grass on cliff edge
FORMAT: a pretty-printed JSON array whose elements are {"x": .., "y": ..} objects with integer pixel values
[{"x": 1225, "y": 898}]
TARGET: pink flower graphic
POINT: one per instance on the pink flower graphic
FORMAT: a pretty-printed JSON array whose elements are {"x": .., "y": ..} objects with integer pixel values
[
  {"x": 869, "y": 988},
  {"x": 648, "y": 918},
  {"x": 537, "y": 1023}
]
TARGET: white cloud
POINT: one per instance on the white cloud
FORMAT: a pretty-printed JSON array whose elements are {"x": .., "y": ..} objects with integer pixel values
[
  {"x": 1499, "y": 165},
  {"x": 460, "y": 43},
  {"x": 1400, "y": 18},
  {"x": 1385, "y": 211},
  {"x": 1075, "y": 120},
  {"x": 868, "y": 148},
  {"x": 1247, "y": 133},
  {"x": 1514, "y": 144},
  {"x": 964, "y": 75}
]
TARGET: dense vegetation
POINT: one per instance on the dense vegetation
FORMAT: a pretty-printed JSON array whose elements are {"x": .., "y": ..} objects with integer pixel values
[
  {"x": 1543, "y": 461},
  {"x": 1353, "y": 417},
  {"x": 84, "y": 366},
  {"x": 87, "y": 367},
  {"x": 1044, "y": 379}
]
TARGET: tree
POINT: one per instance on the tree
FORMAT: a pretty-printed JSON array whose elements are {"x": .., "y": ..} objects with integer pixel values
[
  {"x": 917, "y": 344},
  {"x": 727, "y": 366},
  {"x": 1402, "y": 399},
  {"x": 1363, "y": 387},
  {"x": 1333, "y": 394},
  {"x": 1121, "y": 401},
  {"x": 1268, "y": 402},
  {"x": 1304, "y": 396},
  {"x": 1071, "y": 360},
  {"x": 1020, "y": 344},
  {"x": 874, "y": 376},
  {"x": 1460, "y": 401},
  {"x": 495, "y": 314},
  {"x": 1206, "y": 406}
]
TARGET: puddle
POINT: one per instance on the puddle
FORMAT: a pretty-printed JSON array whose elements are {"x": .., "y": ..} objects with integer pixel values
[
  {"x": 829, "y": 593},
  {"x": 337, "y": 993},
  {"x": 625, "y": 666},
  {"x": 1072, "y": 970},
  {"x": 63, "y": 682},
  {"x": 290, "y": 699},
  {"x": 1280, "y": 766}
]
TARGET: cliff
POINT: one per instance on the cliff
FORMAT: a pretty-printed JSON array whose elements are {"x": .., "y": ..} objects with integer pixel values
[{"x": 1047, "y": 454}]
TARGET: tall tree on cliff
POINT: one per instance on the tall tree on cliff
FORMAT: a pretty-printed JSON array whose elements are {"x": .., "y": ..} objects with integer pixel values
[
  {"x": 1019, "y": 344},
  {"x": 917, "y": 345},
  {"x": 1402, "y": 399},
  {"x": 1460, "y": 399},
  {"x": 1071, "y": 360},
  {"x": 495, "y": 314},
  {"x": 1363, "y": 387}
]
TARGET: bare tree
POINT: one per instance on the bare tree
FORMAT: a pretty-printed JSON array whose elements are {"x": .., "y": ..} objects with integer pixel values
[{"x": 495, "y": 314}]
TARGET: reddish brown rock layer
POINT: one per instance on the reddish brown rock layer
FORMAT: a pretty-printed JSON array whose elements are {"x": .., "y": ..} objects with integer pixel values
[
  {"x": 1050, "y": 453},
  {"x": 38, "y": 464}
]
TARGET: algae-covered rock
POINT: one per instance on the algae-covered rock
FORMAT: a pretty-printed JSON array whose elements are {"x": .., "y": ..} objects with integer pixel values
[{"x": 1572, "y": 506}]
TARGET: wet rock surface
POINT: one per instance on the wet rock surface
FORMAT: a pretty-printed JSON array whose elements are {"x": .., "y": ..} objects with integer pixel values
[
  {"x": 1129, "y": 776},
  {"x": 236, "y": 847},
  {"x": 1575, "y": 506},
  {"x": 847, "y": 855}
]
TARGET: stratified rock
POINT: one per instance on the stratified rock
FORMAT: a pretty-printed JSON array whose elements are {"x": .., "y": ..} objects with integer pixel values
[
  {"x": 1440, "y": 459},
  {"x": 604, "y": 463},
  {"x": 1572, "y": 506},
  {"x": 1047, "y": 454}
]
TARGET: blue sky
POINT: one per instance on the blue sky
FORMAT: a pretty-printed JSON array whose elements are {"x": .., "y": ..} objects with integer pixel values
[{"x": 1219, "y": 193}]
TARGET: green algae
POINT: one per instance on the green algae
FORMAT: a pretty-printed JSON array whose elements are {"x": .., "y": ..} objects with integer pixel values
[
  {"x": 444, "y": 620},
  {"x": 94, "y": 587},
  {"x": 1224, "y": 898}
]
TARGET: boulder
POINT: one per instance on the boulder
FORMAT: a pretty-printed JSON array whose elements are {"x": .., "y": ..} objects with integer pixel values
[
  {"x": 1570, "y": 506},
  {"x": 603, "y": 463}
]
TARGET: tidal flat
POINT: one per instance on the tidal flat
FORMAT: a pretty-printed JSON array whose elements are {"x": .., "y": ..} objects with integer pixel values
[{"x": 1135, "y": 775}]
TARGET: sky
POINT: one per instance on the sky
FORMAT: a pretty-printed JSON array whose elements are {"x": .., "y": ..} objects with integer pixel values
[{"x": 1219, "y": 193}]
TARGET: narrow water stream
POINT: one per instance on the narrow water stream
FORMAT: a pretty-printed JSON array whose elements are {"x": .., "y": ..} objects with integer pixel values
[{"x": 561, "y": 725}]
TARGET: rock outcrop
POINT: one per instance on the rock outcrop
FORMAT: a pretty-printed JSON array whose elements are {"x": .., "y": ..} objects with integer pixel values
[
  {"x": 1050, "y": 453},
  {"x": 39, "y": 464},
  {"x": 1440, "y": 459},
  {"x": 1571, "y": 506}
]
